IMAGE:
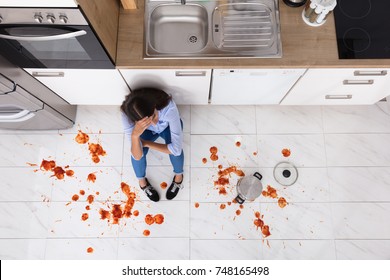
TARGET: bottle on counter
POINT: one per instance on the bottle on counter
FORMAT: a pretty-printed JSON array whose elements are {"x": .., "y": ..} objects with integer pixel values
[{"x": 316, "y": 11}]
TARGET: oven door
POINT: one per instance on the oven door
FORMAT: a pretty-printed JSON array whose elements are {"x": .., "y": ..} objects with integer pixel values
[{"x": 48, "y": 46}]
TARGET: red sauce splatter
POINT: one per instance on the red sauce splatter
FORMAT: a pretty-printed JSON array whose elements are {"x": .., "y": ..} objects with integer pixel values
[
  {"x": 255, "y": 153},
  {"x": 89, "y": 250},
  {"x": 238, "y": 212},
  {"x": 265, "y": 231},
  {"x": 31, "y": 164},
  {"x": 58, "y": 172},
  {"x": 149, "y": 219},
  {"x": 82, "y": 192},
  {"x": 270, "y": 192},
  {"x": 90, "y": 199},
  {"x": 259, "y": 223},
  {"x": 158, "y": 219},
  {"x": 204, "y": 160},
  {"x": 82, "y": 137},
  {"x": 163, "y": 185},
  {"x": 84, "y": 216},
  {"x": 214, "y": 157},
  {"x": 48, "y": 165},
  {"x": 116, "y": 213},
  {"x": 220, "y": 166},
  {"x": 238, "y": 143},
  {"x": 222, "y": 190},
  {"x": 96, "y": 150},
  {"x": 229, "y": 203},
  {"x": 146, "y": 232},
  {"x": 222, "y": 206},
  {"x": 196, "y": 205},
  {"x": 136, "y": 213},
  {"x": 75, "y": 197},
  {"x": 88, "y": 207},
  {"x": 104, "y": 214},
  {"x": 214, "y": 151},
  {"x": 91, "y": 177},
  {"x": 242, "y": 206},
  {"x": 282, "y": 202},
  {"x": 69, "y": 173},
  {"x": 286, "y": 152},
  {"x": 97, "y": 193}
]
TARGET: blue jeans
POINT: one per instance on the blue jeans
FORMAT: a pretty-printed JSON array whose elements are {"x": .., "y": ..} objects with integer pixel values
[{"x": 177, "y": 162}]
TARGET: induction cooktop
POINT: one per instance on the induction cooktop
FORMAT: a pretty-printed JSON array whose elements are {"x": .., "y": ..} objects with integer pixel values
[{"x": 363, "y": 29}]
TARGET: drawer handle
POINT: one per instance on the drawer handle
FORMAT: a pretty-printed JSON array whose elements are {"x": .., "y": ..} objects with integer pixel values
[
  {"x": 358, "y": 82},
  {"x": 190, "y": 73},
  {"x": 370, "y": 73},
  {"x": 48, "y": 74},
  {"x": 342, "y": 96}
]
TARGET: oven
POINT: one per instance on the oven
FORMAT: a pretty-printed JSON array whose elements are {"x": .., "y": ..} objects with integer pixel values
[{"x": 51, "y": 38}]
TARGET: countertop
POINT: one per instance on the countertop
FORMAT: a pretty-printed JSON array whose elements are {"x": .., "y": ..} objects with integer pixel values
[{"x": 303, "y": 46}]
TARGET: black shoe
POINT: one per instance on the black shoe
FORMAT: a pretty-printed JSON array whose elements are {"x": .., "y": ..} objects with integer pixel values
[
  {"x": 150, "y": 192},
  {"x": 173, "y": 189}
]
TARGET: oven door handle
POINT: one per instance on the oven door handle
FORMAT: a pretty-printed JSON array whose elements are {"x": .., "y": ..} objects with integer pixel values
[
  {"x": 44, "y": 38},
  {"x": 21, "y": 116}
]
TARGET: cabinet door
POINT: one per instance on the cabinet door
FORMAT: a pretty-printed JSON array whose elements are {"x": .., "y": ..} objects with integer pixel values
[
  {"x": 252, "y": 86},
  {"x": 186, "y": 86},
  {"x": 84, "y": 86},
  {"x": 340, "y": 87}
]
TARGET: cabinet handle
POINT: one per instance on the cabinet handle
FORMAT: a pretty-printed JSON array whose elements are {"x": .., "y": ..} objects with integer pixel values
[
  {"x": 190, "y": 73},
  {"x": 48, "y": 74},
  {"x": 358, "y": 82},
  {"x": 341, "y": 96},
  {"x": 370, "y": 73}
]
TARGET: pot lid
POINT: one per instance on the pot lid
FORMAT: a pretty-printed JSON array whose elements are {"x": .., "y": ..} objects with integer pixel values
[{"x": 285, "y": 173}]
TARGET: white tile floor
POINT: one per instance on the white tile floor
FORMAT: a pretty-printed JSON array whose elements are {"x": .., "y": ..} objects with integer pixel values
[{"x": 338, "y": 209}]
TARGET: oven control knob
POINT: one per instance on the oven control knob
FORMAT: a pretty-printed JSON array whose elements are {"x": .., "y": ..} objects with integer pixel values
[
  {"x": 38, "y": 18},
  {"x": 51, "y": 18},
  {"x": 63, "y": 18}
]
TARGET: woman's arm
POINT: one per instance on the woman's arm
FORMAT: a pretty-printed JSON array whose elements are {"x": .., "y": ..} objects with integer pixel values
[
  {"x": 156, "y": 146},
  {"x": 136, "y": 142}
]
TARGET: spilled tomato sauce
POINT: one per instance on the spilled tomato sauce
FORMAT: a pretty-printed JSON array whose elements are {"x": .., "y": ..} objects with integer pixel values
[
  {"x": 163, "y": 185},
  {"x": 286, "y": 152},
  {"x": 91, "y": 177},
  {"x": 146, "y": 232},
  {"x": 96, "y": 151},
  {"x": 282, "y": 202},
  {"x": 158, "y": 219},
  {"x": 196, "y": 205},
  {"x": 89, "y": 250},
  {"x": 82, "y": 138}
]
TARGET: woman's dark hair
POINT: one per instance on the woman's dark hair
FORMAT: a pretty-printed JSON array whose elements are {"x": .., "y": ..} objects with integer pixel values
[{"x": 141, "y": 103}]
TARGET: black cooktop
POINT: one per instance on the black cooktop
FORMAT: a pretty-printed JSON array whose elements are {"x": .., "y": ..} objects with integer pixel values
[{"x": 363, "y": 28}]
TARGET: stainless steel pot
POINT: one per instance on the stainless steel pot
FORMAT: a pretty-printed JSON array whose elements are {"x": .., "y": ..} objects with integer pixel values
[
  {"x": 249, "y": 188},
  {"x": 294, "y": 3}
]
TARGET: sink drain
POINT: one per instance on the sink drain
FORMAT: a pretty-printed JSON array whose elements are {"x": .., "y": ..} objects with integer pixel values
[{"x": 193, "y": 39}]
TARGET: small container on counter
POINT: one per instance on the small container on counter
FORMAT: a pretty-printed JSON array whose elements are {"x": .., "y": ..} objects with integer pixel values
[{"x": 316, "y": 11}]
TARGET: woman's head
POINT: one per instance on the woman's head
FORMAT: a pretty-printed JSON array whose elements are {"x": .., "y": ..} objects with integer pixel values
[{"x": 144, "y": 102}]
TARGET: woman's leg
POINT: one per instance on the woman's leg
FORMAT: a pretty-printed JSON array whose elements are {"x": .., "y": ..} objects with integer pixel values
[
  {"x": 139, "y": 166},
  {"x": 176, "y": 161}
]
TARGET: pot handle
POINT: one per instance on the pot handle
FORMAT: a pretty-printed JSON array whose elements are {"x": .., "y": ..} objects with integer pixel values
[
  {"x": 258, "y": 175},
  {"x": 239, "y": 199}
]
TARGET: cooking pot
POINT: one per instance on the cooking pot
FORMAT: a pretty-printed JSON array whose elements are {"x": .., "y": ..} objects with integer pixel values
[
  {"x": 249, "y": 188},
  {"x": 294, "y": 3}
]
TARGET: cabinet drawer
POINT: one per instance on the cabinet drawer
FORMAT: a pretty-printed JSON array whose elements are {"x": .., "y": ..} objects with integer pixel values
[{"x": 340, "y": 87}]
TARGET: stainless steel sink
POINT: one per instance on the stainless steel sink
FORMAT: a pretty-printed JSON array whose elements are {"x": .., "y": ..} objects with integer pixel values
[
  {"x": 212, "y": 29},
  {"x": 176, "y": 28}
]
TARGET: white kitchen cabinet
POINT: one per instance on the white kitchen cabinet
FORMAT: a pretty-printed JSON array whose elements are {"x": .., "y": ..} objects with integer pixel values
[
  {"x": 84, "y": 86},
  {"x": 340, "y": 87},
  {"x": 187, "y": 86},
  {"x": 38, "y": 3},
  {"x": 252, "y": 86}
]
